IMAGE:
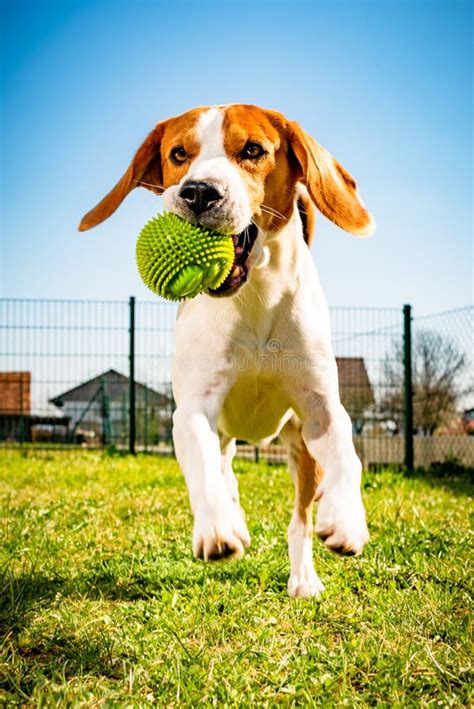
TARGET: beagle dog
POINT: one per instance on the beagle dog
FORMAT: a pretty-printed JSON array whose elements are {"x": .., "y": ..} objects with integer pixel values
[{"x": 253, "y": 358}]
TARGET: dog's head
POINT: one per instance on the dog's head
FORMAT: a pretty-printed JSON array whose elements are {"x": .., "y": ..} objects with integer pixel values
[{"x": 235, "y": 168}]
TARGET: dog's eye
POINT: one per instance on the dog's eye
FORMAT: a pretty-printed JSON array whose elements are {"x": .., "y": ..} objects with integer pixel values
[
  {"x": 178, "y": 155},
  {"x": 252, "y": 151}
]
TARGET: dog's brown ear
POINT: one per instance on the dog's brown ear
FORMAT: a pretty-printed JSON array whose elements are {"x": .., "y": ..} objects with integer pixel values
[
  {"x": 332, "y": 188},
  {"x": 145, "y": 170}
]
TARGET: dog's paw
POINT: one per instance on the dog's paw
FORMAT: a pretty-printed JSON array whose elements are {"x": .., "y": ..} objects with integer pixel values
[
  {"x": 220, "y": 535},
  {"x": 340, "y": 520},
  {"x": 305, "y": 583}
]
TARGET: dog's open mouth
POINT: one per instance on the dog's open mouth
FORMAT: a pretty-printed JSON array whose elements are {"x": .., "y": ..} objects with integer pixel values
[{"x": 243, "y": 244}]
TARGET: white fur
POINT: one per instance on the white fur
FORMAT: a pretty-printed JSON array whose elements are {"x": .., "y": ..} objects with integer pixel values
[
  {"x": 243, "y": 364},
  {"x": 210, "y": 135},
  {"x": 303, "y": 581}
]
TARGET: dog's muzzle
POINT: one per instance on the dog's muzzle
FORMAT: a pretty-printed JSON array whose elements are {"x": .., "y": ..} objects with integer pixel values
[{"x": 238, "y": 275}]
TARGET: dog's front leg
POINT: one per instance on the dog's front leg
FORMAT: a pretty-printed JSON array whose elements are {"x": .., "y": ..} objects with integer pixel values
[
  {"x": 219, "y": 527},
  {"x": 327, "y": 432}
]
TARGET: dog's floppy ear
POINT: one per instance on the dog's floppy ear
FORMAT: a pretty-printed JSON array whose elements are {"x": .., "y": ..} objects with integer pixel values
[
  {"x": 332, "y": 188},
  {"x": 144, "y": 169}
]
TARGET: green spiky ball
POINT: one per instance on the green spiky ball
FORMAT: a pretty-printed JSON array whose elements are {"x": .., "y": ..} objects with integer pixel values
[{"x": 177, "y": 259}]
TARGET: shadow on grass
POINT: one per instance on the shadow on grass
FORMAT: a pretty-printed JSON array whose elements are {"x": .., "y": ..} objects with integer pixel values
[
  {"x": 56, "y": 652},
  {"x": 19, "y": 594},
  {"x": 26, "y": 593},
  {"x": 450, "y": 474},
  {"x": 62, "y": 655}
]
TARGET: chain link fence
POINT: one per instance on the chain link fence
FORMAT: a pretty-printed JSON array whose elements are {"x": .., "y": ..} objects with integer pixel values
[
  {"x": 97, "y": 374},
  {"x": 443, "y": 386}
]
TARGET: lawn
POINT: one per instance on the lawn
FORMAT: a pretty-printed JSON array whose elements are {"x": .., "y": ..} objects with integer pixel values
[{"x": 102, "y": 602}]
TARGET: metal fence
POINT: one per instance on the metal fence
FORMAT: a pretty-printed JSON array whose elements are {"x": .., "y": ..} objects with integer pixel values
[{"x": 97, "y": 373}]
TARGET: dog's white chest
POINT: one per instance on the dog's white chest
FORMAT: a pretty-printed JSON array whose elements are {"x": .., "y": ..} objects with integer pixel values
[
  {"x": 253, "y": 411},
  {"x": 257, "y": 405}
]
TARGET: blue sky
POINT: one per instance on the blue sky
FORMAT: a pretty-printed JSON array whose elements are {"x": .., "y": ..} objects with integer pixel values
[{"x": 385, "y": 86}]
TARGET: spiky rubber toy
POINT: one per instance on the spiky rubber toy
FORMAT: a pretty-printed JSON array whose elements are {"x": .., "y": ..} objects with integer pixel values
[{"x": 177, "y": 259}]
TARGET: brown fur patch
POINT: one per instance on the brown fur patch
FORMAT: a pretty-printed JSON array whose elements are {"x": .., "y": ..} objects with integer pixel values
[
  {"x": 179, "y": 131},
  {"x": 307, "y": 473},
  {"x": 332, "y": 188},
  {"x": 310, "y": 475},
  {"x": 307, "y": 216},
  {"x": 271, "y": 179}
]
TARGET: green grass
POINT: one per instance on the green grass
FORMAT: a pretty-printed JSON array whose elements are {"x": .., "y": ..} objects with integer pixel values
[{"x": 102, "y": 602}]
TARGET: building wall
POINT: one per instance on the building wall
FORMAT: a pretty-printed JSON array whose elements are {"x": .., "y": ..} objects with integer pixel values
[{"x": 15, "y": 393}]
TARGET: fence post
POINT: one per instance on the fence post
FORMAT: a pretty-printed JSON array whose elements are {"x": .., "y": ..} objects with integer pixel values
[
  {"x": 131, "y": 378},
  {"x": 257, "y": 454},
  {"x": 105, "y": 411},
  {"x": 408, "y": 387},
  {"x": 145, "y": 422}
]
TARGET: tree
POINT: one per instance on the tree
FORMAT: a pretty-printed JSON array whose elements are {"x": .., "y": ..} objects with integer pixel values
[{"x": 437, "y": 365}]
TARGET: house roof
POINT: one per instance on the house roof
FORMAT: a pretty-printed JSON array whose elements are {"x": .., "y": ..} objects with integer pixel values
[
  {"x": 352, "y": 372},
  {"x": 116, "y": 386},
  {"x": 15, "y": 392},
  {"x": 354, "y": 383}
]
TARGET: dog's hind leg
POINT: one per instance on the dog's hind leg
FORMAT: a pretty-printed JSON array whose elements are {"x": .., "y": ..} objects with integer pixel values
[
  {"x": 307, "y": 474},
  {"x": 228, "y": 450}
]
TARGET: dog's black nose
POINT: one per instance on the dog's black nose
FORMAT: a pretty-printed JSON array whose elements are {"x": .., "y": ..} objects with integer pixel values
[{"x": 199, "y": 196}]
